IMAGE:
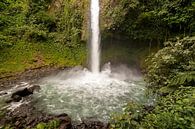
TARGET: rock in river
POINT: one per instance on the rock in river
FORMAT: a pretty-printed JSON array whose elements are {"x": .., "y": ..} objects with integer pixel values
[{"x": 18, "y": 94}]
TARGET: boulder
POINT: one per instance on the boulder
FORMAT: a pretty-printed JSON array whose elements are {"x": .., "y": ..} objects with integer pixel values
[
  {"x": 65, "y": 121},
  {"x": 17, "y": 95}
]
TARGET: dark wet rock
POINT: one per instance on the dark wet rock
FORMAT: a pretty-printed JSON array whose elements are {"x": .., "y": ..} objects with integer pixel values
[
  {"x": 26, "y": 91},
  {"x": 34, "y": 88},
  {"x": 2, "y": 122},
  {"x": 16, "y": 98},
  {"x": 9, "y": 100},
  {"x": 22, "y": 93},
  {"x": 64, "y": 126},
  {"x": 25, "y": 116},
  {"x": 3, "y": 93},
  {"x": 92, "y": 124},
  {"x": 65, "y": 121},
  {"x": 17, "y": 95}
]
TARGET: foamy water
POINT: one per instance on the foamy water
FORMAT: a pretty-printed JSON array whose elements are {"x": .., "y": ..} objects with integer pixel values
[{"x": 83, "y": 94}]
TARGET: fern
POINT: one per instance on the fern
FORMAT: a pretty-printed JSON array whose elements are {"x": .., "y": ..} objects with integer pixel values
[{"x": 183, "y": 78}]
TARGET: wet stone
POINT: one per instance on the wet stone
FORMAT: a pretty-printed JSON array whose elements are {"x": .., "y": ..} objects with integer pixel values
[
  {"x": 65, "y": 121},
  {"x": 3, "y": 93},
  {"x": 16, "y": 98},
  {"x": 25, "y": 92}
]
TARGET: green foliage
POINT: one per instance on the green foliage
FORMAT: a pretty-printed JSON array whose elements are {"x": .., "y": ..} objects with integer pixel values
[
  {"x": 4, "y": 42},
  {"x": 129, "y": 119},
  {"x": 31, "y": 36},
  {"x": 172, "y": 64},
  {"x": 7, "y": 127},
  {"x": 25, "y": 55},
  {"x": 171, "y": 75},
  {"x": 44, "y": 20},
  {"x": 155, "y": 20},
  {"x": 38, "y": 5},
  {"x": 175, "y": 111},
  {"x": 183, "y": 78},
  {"x": 31, "y": 19},
  {"x": 70, "y": 24},
  {"x": 54, "y": 124},
  {"x": 115, "y": 12}
]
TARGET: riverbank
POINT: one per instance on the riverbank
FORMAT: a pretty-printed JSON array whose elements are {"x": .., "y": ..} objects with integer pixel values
[
  {"x": 26, "y": 115},
  {"x": 24, "y": 56},
  {"x": 30, "y": 76},
  {"x": 171, "y": 78}
]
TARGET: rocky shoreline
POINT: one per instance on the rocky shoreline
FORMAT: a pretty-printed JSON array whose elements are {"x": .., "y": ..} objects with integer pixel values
[
  {"x": 26, "y": 115},
  {"x": 30, "y": 76}
]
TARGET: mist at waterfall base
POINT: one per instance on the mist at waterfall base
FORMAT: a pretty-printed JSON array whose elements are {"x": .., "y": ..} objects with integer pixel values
[{"x": 82, "y": 94}]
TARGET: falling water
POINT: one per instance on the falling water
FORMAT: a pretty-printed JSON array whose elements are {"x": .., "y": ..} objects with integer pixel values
[
  {"x": 95, "y": 37},
  {"x": 83, "y": 94}
]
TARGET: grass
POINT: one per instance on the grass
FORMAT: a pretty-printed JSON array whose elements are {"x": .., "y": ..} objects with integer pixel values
[{"x": 25, "y": 55}]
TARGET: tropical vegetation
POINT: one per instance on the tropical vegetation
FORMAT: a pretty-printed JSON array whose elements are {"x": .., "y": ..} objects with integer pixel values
[{"x": 36, "y": 33}]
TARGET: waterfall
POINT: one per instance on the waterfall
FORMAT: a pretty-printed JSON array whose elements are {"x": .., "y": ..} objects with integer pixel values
[{"x": 95, "y": 37}]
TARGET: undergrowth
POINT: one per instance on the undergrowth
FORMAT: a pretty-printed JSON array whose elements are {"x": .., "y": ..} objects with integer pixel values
[
  {"x": 35, "y": 34},
  {"x": 24, "y": 56},
  {"x": 170, "y": 75}
]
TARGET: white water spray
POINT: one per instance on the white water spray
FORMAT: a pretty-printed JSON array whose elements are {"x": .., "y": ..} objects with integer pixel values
[
  {"x": 95, "y": 37},
  {"x": 85, "y": 94}
]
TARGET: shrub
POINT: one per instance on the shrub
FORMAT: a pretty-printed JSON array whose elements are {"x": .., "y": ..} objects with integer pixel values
[
  {"x": 53, "y": 124},
  {"x": 172, "y": 63},
  {"x": 170, "y": 74},
  {"x": 175, "y": 111}
]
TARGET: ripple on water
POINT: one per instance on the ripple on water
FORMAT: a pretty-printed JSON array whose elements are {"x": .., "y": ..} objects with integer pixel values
[{"x": 82, "y": 94}]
